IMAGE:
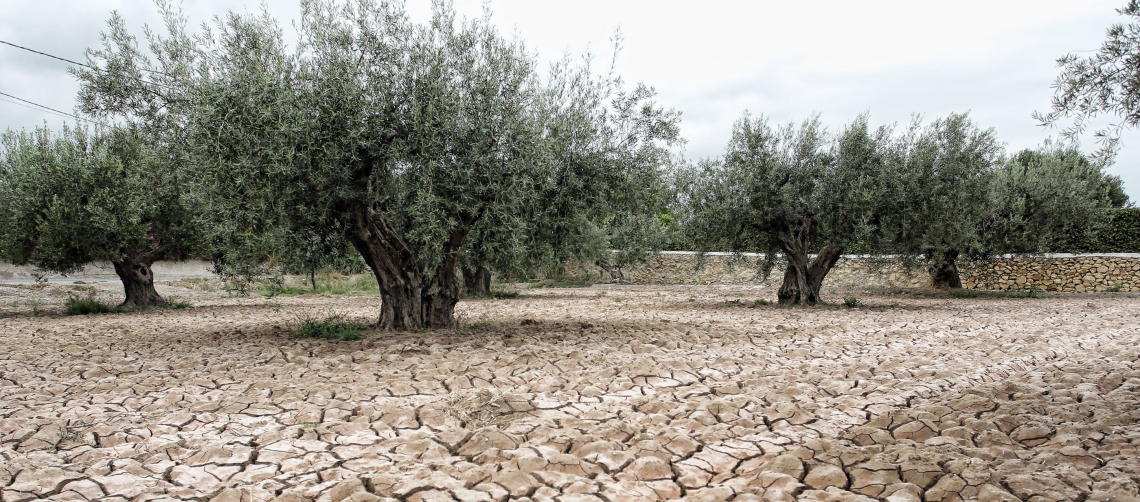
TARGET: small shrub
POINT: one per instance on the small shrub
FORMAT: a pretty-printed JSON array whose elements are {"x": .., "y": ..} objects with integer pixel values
[
  {"x": 617, "y": 299},
  {"x": 761, "y": 303},
  {"x": 504, "y": 293},
  {"x": 89, "y": 305},
  {"x": 851, "y": 302},
  {"x": 332, "y": 327}
]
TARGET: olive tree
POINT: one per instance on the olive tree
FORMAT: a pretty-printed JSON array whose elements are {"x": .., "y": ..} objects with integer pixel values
[
  {"x": 956, "y": 194},
  {"x": 399, "y": 138},
  {"x": 614, "y": 223},
  {"x": 793, "y": 190},
  {"x": 938, "y": 196},
  {"x": 1043, "y": 199},
  {"x": 75, "y": 197}
]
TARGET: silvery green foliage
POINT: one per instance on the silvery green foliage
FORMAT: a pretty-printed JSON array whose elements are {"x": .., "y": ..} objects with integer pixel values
[
  {"x": 74, "y": 197},
  {"x": 605, "y": 192},
  {"x": 415, "y": 143},
  {"x": 938, "y": 195},
  {"x": 795, "y": 190},
  {"x": 1042, "y": 199},
  {"x": 772, "y": 181}
]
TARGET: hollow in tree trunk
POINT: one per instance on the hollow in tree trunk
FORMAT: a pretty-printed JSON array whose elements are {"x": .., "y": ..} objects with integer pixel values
[
  {"x": 411, "y": 297},
  {"x": 944, "y": 271},
  {"x": 803, "y": 278},
  {"x": 138, "y": 284},
  {"x": 476, "y": 281}
]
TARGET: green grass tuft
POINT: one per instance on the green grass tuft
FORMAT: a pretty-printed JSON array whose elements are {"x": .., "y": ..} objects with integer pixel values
[
  {"x": 503, "y": 292},
  {"x": 82, "y": 306},
  {"x": 332, "y": 327},
  {"x": 851, "y": 302},
  {"x": 178, "y": 304}
]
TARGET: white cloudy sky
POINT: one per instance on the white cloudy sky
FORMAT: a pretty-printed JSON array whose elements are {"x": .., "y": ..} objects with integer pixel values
[{"x": 710, "y": 59}]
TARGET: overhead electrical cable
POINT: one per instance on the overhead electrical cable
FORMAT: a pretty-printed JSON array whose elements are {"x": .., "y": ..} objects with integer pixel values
[
  {"x": 17, "y": 103},
  {"x": 5, "y": 42},
  {"x": 47, "y": 108},
  {"x": 43, "y": 53}
]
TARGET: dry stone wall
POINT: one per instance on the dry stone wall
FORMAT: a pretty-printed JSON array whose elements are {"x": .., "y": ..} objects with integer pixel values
[{"x": 1056, "y": 272}]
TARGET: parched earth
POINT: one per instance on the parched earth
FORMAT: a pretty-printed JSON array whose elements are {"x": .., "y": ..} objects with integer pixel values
[{"x": 614, "y": 393}]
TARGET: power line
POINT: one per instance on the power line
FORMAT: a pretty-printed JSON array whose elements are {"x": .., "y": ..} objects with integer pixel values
[
  {"x": 43, "y": 53},
  {"x": 85, "y": 65},
  {"x": 48, "y": 108},
  {"x": 17, "y": 103}
]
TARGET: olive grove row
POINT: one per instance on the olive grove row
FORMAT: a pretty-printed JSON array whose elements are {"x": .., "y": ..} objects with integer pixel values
[{"x": 438, "y": 153}]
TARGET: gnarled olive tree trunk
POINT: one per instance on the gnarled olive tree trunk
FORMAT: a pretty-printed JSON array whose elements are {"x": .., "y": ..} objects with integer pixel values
[
  {"x": 803, "y": 278},
  {"x": 411, "y": 297},
  {"x": 944, "y": 271},
  {"x": 476, "y": 281},
  {"x": 138, "y": 283},
  {"x": 616, "y": 275}
]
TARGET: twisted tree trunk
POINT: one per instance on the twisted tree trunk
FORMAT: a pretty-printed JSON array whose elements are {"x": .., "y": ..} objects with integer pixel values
[
  {"x": 944, "y": 271},
  {"x": 613, "y": 269},
  {"x": 138, "y": 283},
  {"x": 477, "y": 281},
  {"x": 803, "y": 278},
  {"x": 411, "y": 297}
]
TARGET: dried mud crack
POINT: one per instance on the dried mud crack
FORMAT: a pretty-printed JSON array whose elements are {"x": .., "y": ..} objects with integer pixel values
[{"x": 569, "y": 395}]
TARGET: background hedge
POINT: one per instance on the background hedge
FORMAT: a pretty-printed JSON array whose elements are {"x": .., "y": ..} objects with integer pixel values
[{"x": 1122, "y": 235}]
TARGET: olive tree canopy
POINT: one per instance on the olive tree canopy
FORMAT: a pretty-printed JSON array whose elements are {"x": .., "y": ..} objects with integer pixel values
[
  {"x": 1044, "y": 199},
  {"x": 954, "y": 193},
  {"x": 938, "y": 198},
  {"x": 401, "y": 139},
  {"x": 794, "y": 190},
  {"x": 75, "y": 197}
]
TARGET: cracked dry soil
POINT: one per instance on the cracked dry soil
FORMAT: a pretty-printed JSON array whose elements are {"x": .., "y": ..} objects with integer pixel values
[{"x": 572, "y": 395}]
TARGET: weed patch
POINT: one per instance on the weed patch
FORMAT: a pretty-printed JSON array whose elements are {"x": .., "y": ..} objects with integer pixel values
[
  {"x": 332, "y": 327},
  {"x": 744, "y": 303},
  {"x": 76, "y": 305},
  {"x": 504, "y": 292}
]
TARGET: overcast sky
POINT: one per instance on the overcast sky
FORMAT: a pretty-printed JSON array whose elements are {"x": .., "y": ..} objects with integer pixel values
[{"x": 710, "y": 59}]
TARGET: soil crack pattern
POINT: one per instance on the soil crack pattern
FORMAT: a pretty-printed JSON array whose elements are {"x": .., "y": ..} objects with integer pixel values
[{"x": 693, "y": 393}]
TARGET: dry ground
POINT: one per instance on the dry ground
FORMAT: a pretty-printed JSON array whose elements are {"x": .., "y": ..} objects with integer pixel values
[{"x": 614, "y": 393}]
